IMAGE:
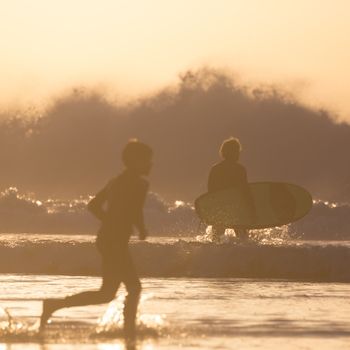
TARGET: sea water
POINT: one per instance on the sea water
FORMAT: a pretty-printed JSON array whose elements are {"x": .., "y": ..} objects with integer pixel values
[{"x": 275, "y": 294}]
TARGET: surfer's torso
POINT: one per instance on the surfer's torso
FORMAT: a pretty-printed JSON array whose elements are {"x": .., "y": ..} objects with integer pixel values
[{"x": 226, "y": 174}]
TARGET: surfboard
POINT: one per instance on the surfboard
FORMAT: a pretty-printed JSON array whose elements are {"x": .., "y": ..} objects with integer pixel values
[{"x": 276, "y": 204}]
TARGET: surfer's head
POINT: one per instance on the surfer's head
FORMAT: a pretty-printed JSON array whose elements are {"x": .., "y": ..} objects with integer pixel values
[
  {"x": 137, "y": 156},
  {"x": 230, "y": 149}
]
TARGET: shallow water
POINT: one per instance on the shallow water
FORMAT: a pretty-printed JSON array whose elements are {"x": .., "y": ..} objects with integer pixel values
[{"x": 188, "y": 313}]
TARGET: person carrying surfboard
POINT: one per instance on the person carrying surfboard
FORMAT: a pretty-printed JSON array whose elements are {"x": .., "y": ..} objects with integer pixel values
[
  {"x": 227, "y": 174},
  {"x": 119, "y": 207}
]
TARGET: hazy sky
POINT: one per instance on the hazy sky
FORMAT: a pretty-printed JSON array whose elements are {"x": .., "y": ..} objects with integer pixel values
[{"x": 136, "y": 47}]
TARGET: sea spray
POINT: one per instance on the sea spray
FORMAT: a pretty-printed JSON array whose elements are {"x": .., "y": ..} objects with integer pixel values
[
  {"x": 14, "y": 329},
  {"x": 111, "y": 322}
]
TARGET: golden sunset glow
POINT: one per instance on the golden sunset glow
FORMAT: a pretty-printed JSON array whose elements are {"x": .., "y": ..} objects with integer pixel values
[
  {"x": 174, "y": 174},
  {"x": 134, "y": 47}
]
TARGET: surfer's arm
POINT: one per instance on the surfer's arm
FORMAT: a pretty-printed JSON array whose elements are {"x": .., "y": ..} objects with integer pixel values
[
  {"x": 251, "y": 205},
  {"x": 248, "y": 194},
  {"x": 96, "y": 205},
  {"x": 212, "y": 180}
]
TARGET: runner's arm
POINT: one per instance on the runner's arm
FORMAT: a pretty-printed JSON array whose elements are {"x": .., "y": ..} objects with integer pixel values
[{"x": 96, "y": 205}]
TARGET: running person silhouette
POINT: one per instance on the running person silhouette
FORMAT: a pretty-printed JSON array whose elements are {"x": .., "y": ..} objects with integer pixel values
[{"x": 119, "y": 207}]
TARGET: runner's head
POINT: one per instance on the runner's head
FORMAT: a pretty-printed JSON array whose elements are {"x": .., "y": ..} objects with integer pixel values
[{"x": 137, "y": 156}]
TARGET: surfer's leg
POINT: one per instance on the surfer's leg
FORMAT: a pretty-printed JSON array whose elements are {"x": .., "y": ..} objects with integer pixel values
[
  {"x": 133, "y": 287},
  {"x": 217, "y": 231},
  {"x": 241, "y": 233}
]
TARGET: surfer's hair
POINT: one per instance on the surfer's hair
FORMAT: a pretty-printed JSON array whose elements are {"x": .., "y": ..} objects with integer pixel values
[
  {"x": 230, "y": 148},
  {"x": 135, "y": 152}
]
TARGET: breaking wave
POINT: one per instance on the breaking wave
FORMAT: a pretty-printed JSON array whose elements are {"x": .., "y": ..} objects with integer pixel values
[
  {"x": 24, "y": 213},
  {"x": 264, "y": 258}
]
